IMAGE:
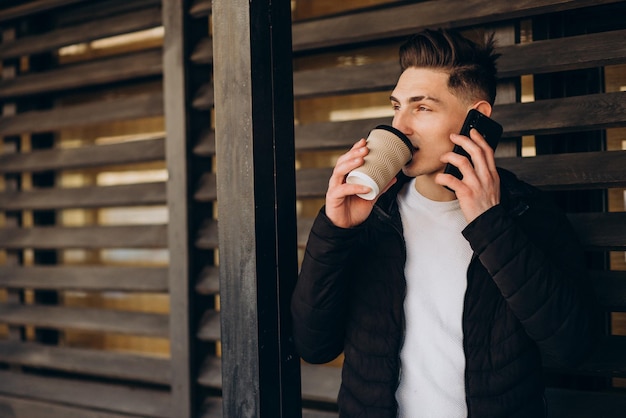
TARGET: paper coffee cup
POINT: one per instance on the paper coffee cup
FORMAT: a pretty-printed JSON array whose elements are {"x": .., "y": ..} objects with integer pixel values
[{"x": 389, "y": 151}]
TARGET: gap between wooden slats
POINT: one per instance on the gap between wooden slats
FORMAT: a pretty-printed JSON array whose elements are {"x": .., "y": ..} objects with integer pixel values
[
  {"x": 134, "y": 236},
  {"x": 84, "y": 32},
  {"x": 25, "y": 408},
  {"x": 85, "y": 197},
  {"x": 93, "y": 73},
  {"x": 126, "y": 108},
  {"x": 88, "y": 362},
  {"x": 400, "y": 20},
  {"x": 85, "y": 278},
  {"x": 105, "y": 397},
  {"x": 84, "y": 157},
  {"x": 86, "y": 319}
]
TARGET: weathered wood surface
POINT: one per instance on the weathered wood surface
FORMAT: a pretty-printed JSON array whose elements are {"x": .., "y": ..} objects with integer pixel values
[
  {"x": 132, "y": 236},
  {"x": 86, "y": 319},
  {"x": 86, "y": 278},
  {"x": 84, "y": 157},
  {"x": 15, "y": 407},
  {"x": 551, "y": 172},
  {"x": 85, "y": 197},
  {"x": 87, "y": 362},
  {"x": 118, "y": 68},
  {"x": 33, "y": 7},
  {"x": 83, "y": 32},
  {"x": 125, "y": 108},
  {"x": 597, "y": 231},
  {"x": 100, "y": 396},
  {"x": 400, "y": 21}
]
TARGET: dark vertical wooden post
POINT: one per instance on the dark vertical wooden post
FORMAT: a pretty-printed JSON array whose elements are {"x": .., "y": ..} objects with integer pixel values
[
  {"x": 256, "y": 199},
  {"x": 178, "y": 194}
]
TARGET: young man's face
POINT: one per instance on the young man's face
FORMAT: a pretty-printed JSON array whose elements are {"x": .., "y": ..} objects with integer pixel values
[{"x": 426, "y": 111}]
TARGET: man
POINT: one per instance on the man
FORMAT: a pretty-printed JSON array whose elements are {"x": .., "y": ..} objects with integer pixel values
[{"x": 444, "y": 303}]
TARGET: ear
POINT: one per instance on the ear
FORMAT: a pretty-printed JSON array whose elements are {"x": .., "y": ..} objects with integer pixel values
[{"x": 483, "y": 107}]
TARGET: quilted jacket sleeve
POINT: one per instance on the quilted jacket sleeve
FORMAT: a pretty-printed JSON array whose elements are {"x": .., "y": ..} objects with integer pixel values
[
  {"x": 318, "y": 304},
  {"x": 538, "y": 265}
]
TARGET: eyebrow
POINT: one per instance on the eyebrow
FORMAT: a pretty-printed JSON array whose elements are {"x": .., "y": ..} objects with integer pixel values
[{"x": 417, "y": 99}]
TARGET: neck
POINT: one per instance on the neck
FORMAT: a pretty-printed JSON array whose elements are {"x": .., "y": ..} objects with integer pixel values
[{"x": 426, "y": 186}]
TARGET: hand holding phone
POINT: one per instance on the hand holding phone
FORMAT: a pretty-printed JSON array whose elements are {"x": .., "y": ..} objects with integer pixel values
[{"x": 488, "y": 128}]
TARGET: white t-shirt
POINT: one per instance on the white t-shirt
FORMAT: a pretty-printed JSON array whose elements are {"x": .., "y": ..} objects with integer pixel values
[{"x": 432, "y": 382}]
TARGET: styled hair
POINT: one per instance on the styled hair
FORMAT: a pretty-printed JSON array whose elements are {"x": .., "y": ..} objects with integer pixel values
[{"x": 471, "y": 66}]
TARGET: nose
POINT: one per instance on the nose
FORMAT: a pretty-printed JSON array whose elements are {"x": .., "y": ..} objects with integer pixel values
[{"x": 400, "y": 122}]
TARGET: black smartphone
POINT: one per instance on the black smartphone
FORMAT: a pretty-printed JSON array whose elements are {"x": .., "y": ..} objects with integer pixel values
[{"x": 487, "y": 127}]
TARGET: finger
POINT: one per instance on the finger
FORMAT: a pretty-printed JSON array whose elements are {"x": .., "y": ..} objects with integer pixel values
[
  {"x": 347, "y": 162},
  {"x": 487, "y": 152}
]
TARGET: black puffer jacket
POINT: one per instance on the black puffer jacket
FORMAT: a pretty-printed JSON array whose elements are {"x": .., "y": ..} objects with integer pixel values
[{"x": 525, "y": 300}]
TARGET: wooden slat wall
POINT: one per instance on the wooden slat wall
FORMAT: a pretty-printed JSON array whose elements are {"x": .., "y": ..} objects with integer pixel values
[
  {"x": 601, "y": 232},
  {"x": 48, "y": 368},
  {"x": 330, "y": 71}
]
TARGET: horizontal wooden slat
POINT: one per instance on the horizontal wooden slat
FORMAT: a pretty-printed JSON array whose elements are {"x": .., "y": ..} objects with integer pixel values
[
  {"x": 597, "y": 231},
  {"x": 96, "y": 72},
  {"x": 97, "y": 320},
  {"x": 85, "y": 197},
  {"x": 589, "y": 170},
  {"x": 588, "y": 112},
  {"x": 26, "y": 408},
  {"x": 205, "y": 143},
  {"x": 207, "y": 188},
  {"x": 209, "y": 281},
  {"x": 209, "y": 329},
  {"x": 550, "y": 172},
  {"x": 33, "y": 7},
  {"x": 91, "y": 362},
  {"x": 148, "y": 236},
  {"x": 610, "y": 288},
  {"x": 346, "y": 80},
  {"x": 203, "y": 99},
  {"x": 200, "y": 8},
  {"x": 86, "y": 278},
  {"x": 319, "y": 383},
  {"x": 564, "y": 403},
  {"x": 400, "y": 20},
  {"x": 210, "y": 374},
  {"x": 207, "y": 236},
  {"x": 84, "y": 157},
  {"x": 562, "y": 54},
  {"x": 530, "y": 58},
  {"x": 601, "y": 231},
  {"x": 203, "y": 52},
  {"x": 572, "y": 114},
  {"x": 125, "y": 108},
  {"x": 104, "y": 397},
  {"x": 594, "y": 111},
  {"x": 87, "y": 31}
]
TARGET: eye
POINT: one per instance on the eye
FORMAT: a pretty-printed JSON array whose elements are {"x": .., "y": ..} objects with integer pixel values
[
  {"x": 395, "y": 106},
  {"x": 423, "y": 109}
]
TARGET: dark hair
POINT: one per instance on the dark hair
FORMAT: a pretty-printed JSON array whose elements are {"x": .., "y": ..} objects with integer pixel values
[{"x": 471, "y": 66}]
